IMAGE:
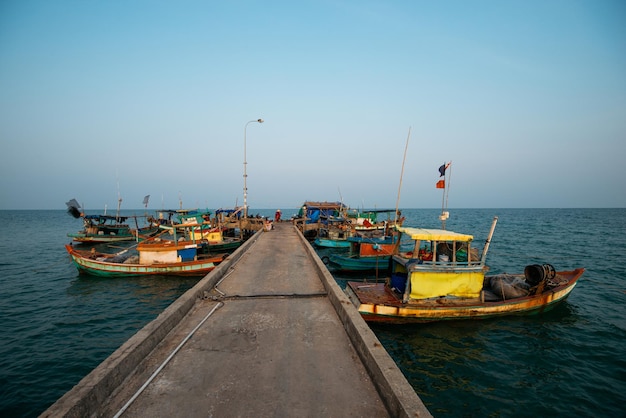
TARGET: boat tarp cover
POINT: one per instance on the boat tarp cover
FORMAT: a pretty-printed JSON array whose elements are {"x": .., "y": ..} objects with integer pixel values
[
  {"x": 434, "y": 234},
  {"x": 317, "y": 210},
  {"x": 426, "y": 285},
  {"x": 313, "y": 215}
]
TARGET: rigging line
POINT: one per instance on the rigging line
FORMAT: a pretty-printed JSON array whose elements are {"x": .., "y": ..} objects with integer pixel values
[
  {"x": 406, "y": 147},
  {"x": 134, "y": 245},
  {"x": 167, "y": 360}
]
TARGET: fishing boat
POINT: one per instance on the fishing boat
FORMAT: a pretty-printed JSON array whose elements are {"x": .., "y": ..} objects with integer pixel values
[
  {"x": 334, "y": 234},
  {"x": 444, "y": 278},
  {"x": 179, "y": 216},
  {"x": 366, "y": 223},
  {"x": 314, "y": 216},
  {"x": 107, "y": 228},
  {"x": 366, "y": 254},
  {"x": 327, "y": 242},
  {"x": 215, "y": 239},
  {"x": 180, "y": 256}
]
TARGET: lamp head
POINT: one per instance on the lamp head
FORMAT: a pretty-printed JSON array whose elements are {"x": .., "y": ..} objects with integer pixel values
[{"x": 260, "y": 120}]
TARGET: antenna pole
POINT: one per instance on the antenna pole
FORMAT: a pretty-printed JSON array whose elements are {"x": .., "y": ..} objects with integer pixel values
[{"x": 488, "y": 241}]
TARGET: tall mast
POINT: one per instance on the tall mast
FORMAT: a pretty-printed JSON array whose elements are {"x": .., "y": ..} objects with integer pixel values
[
  {"x": 406, "y": 147},
  {"x": 444, "y": 197}
]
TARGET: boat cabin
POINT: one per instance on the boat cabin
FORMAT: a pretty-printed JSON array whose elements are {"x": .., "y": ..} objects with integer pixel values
[
  {"x": 441, "y": 264},
  {"x": 167, "y": 252},
  {"x": 183, "y": 247}
]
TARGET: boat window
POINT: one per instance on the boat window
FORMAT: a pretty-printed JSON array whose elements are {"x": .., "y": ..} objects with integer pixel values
[{"x": 425, "y": 251}]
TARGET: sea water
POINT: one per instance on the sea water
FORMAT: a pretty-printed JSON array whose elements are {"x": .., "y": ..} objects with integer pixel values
[{"x": 57, "y": 326}]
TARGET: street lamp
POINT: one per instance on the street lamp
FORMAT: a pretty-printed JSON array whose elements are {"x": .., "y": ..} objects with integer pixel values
[{"x": 245, "y": 175}]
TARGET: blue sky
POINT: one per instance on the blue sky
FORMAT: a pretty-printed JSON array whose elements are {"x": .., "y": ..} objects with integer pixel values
[{"x": 100, "y": 98}]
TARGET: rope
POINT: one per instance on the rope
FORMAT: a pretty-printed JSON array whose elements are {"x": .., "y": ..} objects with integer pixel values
[
  {"x": 167, "y": 360},
  {"x": 402, "y": 174}
]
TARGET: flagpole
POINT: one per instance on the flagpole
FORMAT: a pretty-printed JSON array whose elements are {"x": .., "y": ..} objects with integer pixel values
[
  {"x": 444, "y": 196},
  {"x": 448, "y": 184},
  {"x": 443, "y": 199}
]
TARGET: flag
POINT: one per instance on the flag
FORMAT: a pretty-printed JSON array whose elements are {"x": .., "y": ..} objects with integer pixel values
[
  {"x": 73, "y": 208},
  {"x": 442, "y": 169},
  {"x": 73, "y": 204},
  {"x": 145, "y": 200},
  {"x": 441, "y": 184}
]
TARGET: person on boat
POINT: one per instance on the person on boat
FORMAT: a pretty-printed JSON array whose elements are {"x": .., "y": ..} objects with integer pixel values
[
  {"x": 425, "y": 254},
  {"x": 277, "y": 216}
]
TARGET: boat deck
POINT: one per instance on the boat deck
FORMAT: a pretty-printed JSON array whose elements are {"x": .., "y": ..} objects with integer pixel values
[{"x": 267, "y": 333}]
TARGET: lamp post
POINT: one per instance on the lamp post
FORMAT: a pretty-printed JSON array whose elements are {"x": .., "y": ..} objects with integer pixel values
[{"x": 245, "y": 175}]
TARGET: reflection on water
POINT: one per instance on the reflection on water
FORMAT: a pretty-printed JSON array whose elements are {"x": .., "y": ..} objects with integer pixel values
[{"x": 454, "y": 364}]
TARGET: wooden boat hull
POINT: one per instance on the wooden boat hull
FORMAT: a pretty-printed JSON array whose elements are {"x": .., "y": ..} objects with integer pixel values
[
  {"x": 331, "y": 243},
  {"x": 225, "y": 246},
  {"x": 94, "y": 265},
  {"x": 376, "y": 302},
  {"x": 359, "y": 264},
  {"x": 87, "y": 238},
  {"x": 366, "y": 254},
  {"x": 99, "y": 239}
]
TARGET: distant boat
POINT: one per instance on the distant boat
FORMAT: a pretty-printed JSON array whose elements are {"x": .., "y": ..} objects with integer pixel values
[
  {"x": 215, "y": 239},
  {"x": 155, "y": 256},
  {"x": 314, "y": 216},
  {"x": 331, "y": 242},
  {"x": 107, "y": 228},
  {"x": 179, "y": 216},
  {"x": 366, "y": 254},
  {"x": 443, "y": 278},
  {"x": 334, "y": 234},
  {"x": 366, "y": 223}
]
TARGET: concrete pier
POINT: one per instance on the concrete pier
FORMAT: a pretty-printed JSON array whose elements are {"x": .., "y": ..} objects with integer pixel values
[{"x": 267, "y": 333}]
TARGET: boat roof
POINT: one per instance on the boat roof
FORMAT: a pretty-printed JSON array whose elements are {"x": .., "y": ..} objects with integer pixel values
[
  {"x": 373, "y": 211},
  {"x": 324, "y": 205},
  {"x": 434, "y": 234},
  {"x": 107, "y": 217},
  {"x": 181, "y": 226}
]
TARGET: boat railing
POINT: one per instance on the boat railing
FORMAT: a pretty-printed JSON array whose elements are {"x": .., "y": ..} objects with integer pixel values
[{"x": 414, "y": 264}]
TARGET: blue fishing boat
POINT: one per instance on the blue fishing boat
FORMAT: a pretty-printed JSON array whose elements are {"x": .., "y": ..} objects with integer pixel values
[
  {"x": 366, "y": 254},
  {"x": 334, "y": 234},
  {"x": 331, "y": 243},
  {"x": 315, "y": 216}
]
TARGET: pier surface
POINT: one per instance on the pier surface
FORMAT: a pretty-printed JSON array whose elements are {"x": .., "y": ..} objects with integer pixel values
[{"x": 267, "y": 333}]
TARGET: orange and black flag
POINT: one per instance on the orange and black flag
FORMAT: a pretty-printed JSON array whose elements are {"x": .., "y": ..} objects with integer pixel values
[
  {"x": 443, "y": 168},
  {"x": 441, "y": 184}
]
